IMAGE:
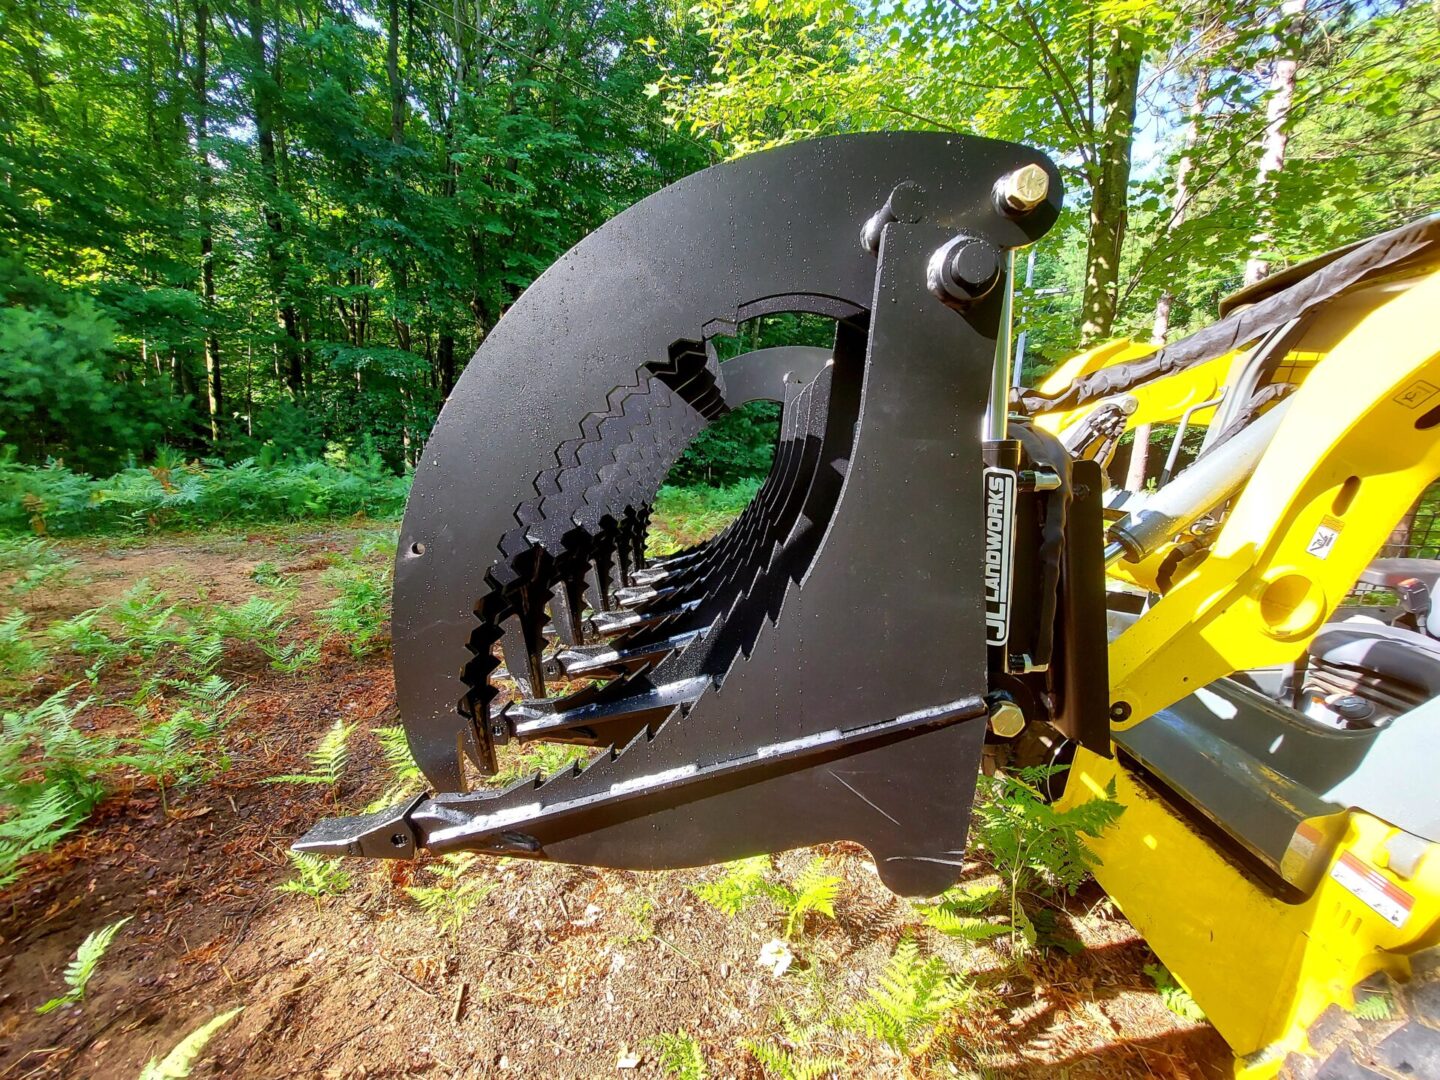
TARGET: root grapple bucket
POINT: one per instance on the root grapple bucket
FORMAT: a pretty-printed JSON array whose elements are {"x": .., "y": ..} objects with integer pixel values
[{"x": 815, "y": 672}]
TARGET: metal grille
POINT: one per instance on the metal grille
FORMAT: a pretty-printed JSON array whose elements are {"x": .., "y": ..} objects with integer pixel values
[{"x": 1417, "y": 535}]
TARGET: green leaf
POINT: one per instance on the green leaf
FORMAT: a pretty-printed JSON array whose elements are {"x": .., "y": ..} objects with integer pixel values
[
  {"x": 177, "y": 1064},
  {"x": 80, "y": 970}
]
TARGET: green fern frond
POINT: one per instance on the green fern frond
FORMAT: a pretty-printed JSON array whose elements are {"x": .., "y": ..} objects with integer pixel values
[
  {"x": 329, "y": 756},
  {"x": 776, "y": 1061},
  {"x": 19, "y": 653},
  {"x": 814, "y": 890},
  {"x": 1373, "y": 1007},
  {"x": 1174, "y": 996},
  {"x": 396, "y": 750},
  {"x": 358, "y": 613},
  {"x": 327, "y": 760},
  {"x": 1029, "y": 840},
  {"x": 973, "y": 898},
  {"x": 742, "y": 884},
  {"x": 212, "y": 690},
  {"x": 40, "y": 824},
  {"x": 449, "y": 903},
  {"x": 545, "y": 759},
  {"x": 681, "y": 1056},
  {"x": 315, "y": 876},
  {"x": 911, "y": 996},
  {"x": 965, "y": 927},
  {"x": 178, "y": 1063},
  {"x": 80, "y": 970}
]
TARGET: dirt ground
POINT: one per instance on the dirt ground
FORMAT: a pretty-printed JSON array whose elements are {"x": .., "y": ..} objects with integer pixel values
[{"x": 560, "y": 972}]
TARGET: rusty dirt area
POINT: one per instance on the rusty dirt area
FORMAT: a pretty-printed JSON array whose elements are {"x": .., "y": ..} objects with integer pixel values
[{"x": 483, "y": 967}]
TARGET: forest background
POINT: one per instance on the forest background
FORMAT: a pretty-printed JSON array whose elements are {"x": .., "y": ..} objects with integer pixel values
[{"x": 267, "y": 235}]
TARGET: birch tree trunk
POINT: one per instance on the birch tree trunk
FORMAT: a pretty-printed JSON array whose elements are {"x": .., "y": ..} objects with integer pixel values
[
  {"x": 1160, "y": 331},
  {"x": 1272, "y": 152}
]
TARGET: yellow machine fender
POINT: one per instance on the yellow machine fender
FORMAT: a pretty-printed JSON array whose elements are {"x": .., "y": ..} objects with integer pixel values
[{"x": 1263, "y": 970}]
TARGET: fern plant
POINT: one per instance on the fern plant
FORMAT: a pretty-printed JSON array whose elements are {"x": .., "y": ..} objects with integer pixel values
[
  {"x": 395, "y": 749},
  {"x": 163, "y": 752},
  {"x": 358, "y": 613},
  {"x": 543, "y": 758},
  {"x": 293, "y": 657},
  {"x": 680, "y": 1056},
  {"x": 36, "y": 560},
  {"x": 1033, "y": 844},
  {"x": 83, "y": 635},
  {"x": 259, "y": 620},
  {"x": 20, "y": 656},
  {"x": 81, "y": 970},
  {"x": 746, "y": 882},
  {"x": 35, "y": 826},
  {"x": 1371, "y": 1007},
  {"x": 315, "y": 876},
  {"x": 814, "y": 891},
  {"x": 1174, "y": 996},
  {"x": 742, "y": 884},
  {"x": 174, "y": 750},
  {"x": 785, "y": 1063},
  {"x": 177, "y": 1064},
  {"x": 405, "y": 775},
  {"x": 210, "y": 695},
  {"x": 959, "y": 912},
  {"x": 449, "y": 902},
  {"x": 327, "y": 760},
  {"x": 144, "y": 628},
  {"x": 52, "y": 774},
  {"x": 268, "y": 574},
  {"x": 913, "y": 994}
]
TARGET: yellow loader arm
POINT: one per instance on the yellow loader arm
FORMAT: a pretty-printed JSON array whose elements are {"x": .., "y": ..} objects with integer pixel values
[{"x": 1267, "y": 864}]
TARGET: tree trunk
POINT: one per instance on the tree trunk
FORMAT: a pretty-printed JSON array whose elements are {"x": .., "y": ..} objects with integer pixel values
[
  {"x": 1272, "y": 153},
  {"x": 1110, "y": 188},
  {"x": 264, "y": 107},
  {"x": 447, "y": 364},
  {"x": 213, "y": 387},
  {"x": 392, "y": 71},
  {"x": 400, "y": 267}
]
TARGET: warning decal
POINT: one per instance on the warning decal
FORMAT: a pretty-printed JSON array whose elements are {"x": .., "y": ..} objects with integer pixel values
[
  {"x": 1374, "y": 889},
  {"x": 1326, "y": 533}
]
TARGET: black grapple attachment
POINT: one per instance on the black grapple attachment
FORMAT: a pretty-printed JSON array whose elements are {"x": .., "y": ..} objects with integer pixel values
[{"x": 817, "y": 671}]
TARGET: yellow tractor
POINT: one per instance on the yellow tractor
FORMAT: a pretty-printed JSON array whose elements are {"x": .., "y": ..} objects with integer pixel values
[{"x": 938, "y": 577}]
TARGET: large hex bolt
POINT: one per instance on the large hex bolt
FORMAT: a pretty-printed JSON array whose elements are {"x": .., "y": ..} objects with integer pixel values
[
  {"x": 1023, "y": 190},
  {"x": 963, "y": 271},
  {"x": 1006, "y": 719}
]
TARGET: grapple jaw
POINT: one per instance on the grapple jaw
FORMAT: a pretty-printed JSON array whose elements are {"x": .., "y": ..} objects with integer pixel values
[{"x": 818, "y": 670}]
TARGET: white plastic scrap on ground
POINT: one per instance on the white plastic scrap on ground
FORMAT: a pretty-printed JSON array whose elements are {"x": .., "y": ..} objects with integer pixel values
[{"x": 776, "y": 957}]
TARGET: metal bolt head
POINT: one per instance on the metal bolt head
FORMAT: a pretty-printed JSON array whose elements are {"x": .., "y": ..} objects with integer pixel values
[
  {"x": 963, "y": 270},
  {"x": 1007, "y": 719},
  {"x": 1024, "y": 189}
]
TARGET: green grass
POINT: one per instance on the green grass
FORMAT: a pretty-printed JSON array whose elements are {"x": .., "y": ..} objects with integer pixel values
[{"x": 686, "y": 515}]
